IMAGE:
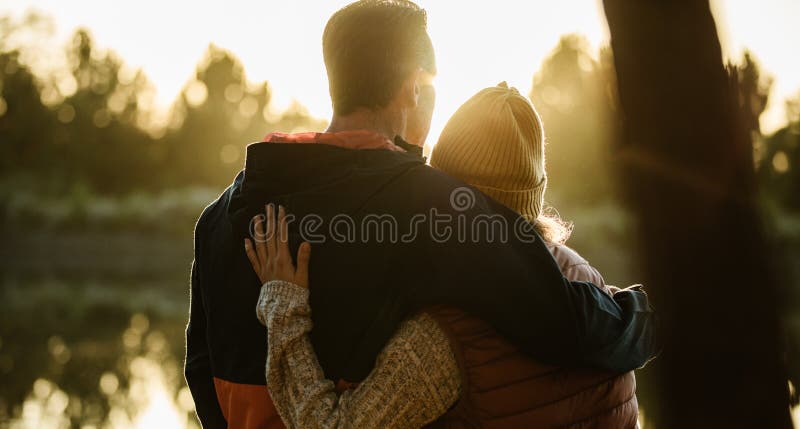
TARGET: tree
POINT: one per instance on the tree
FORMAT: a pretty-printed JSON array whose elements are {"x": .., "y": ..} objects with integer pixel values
[
  {"x": 779, "y": 171},
  {"x": 571, "y": 93},
  {"x": 753, "y": 92},
  {"x": 89, "y": 125},
  {"x": 689, "y": 178},
  {"x": 218, "y": 113},
  {"x": 99, "y": 134},
  {"x": 25, "y": 123}
]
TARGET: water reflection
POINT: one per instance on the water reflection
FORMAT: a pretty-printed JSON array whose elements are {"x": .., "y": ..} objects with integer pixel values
[
  {"x": 96, "y": 354},
  {"x": 143, "y": 389}
]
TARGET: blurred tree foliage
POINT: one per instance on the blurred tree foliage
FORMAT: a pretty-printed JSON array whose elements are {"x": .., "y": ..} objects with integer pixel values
[
  {"x": 92, "y": 125},
  {"x": 576, "y": 96},
  {"x": 217, "y": 112},
  {"x": 778, "y": 155},
  {"x": 780, "y": 167}
]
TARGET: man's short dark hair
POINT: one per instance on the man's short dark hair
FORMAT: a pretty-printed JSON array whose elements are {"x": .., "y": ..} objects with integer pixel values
[{"x": 370, "y": 48}]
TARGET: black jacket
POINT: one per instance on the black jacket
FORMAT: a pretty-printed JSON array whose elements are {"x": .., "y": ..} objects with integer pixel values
[{"x": 363, "y": 285}]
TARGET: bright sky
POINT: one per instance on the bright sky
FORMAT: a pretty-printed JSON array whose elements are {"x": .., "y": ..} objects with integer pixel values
[{"x": 478, "y": 44}]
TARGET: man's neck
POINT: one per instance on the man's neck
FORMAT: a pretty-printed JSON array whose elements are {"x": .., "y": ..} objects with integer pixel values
[{"x": 383, "y": 122}]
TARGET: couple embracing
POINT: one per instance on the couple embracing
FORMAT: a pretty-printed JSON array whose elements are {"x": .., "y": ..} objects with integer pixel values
[{"x": 496, "y": 324}]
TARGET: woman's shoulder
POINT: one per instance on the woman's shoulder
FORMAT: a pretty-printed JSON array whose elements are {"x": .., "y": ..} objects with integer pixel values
[
  {"x": 566, "y": 255},
  {"x": 574, "y": 266}
]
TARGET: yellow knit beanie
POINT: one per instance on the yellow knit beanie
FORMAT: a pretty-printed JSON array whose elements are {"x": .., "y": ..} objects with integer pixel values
[{"x": 495, "y": 143}]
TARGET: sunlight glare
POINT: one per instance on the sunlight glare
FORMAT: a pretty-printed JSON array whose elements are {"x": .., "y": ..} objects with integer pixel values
[{"x": 478, "y": 45}]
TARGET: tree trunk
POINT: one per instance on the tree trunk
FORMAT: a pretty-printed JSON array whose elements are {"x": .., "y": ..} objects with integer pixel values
[{"x": 688, "y": 176}]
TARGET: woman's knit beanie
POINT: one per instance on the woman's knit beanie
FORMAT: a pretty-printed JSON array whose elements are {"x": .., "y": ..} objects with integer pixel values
[{"x": 495, "y": 143}]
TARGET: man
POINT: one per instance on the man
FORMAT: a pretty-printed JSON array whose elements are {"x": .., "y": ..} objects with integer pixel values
[{"x": 379, "y": 60}]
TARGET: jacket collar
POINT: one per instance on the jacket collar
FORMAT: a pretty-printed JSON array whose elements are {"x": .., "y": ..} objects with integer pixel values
[
  {"x": 408, "y": 147},
  {"x": 358, "y": 139}
]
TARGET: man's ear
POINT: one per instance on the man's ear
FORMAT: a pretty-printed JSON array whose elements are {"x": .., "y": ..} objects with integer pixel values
[{"x": 411, "y": 90}]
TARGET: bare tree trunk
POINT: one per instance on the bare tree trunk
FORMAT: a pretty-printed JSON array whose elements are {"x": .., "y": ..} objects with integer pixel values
[{"x": 688, "y": 176}]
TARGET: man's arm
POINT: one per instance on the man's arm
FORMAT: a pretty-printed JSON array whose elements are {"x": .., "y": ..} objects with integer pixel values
[
  {"x": 528, "y": 300},
  {"x": 197, "y": 369}
]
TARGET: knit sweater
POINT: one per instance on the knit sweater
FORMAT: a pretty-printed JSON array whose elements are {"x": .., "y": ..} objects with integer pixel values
[{"x": 415, "y": 379}]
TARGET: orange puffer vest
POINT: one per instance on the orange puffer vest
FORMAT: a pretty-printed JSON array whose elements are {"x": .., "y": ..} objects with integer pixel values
[{"x": 503, "y": 388}]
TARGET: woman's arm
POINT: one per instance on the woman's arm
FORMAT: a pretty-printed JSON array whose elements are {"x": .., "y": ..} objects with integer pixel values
[{"x": 415, "y": 379}]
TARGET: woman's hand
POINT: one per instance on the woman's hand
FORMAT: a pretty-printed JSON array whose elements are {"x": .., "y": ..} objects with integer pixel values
[{"x": 270, "y": 256}]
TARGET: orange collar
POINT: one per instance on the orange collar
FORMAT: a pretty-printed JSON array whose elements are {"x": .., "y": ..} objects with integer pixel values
[{"x": 359, "y": 139}]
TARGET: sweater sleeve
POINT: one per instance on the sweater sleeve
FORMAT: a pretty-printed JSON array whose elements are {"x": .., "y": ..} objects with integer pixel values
[{"x": 415, "y": 379}]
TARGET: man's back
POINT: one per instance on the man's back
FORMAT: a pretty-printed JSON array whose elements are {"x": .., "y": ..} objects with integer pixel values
[{"x": 226, "y": 345}]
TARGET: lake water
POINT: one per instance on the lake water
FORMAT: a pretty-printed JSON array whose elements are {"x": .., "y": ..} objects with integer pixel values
[
  {"x": 91, "y": 355},
  {"x": 91, "y": 330}
]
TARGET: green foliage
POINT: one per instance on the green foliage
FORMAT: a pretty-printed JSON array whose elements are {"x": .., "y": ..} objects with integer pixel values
[
  {"x": 216, "y": 115},
  {"x": 754, "y": 90},
  {"x": 574, "y": 94},
  {"x": 19, "y": 104},
  {"x": 92, "y": 124},
  {"x": 779, "y": 171}
]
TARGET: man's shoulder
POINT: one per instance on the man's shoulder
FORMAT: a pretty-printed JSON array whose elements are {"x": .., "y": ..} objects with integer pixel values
[
  {"x": 215, "y": 211},
  {"x": 434, "y": 175},
  {"x": 433, "y": 183},
  {"x": 436, "y": 189}
]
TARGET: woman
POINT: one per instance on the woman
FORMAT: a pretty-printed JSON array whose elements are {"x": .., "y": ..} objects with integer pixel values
[{"x": 443, "y": 357}]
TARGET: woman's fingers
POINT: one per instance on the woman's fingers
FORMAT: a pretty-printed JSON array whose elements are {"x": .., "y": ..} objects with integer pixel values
[
  {"x": 273, "y": 244},
  {"x": 252, "y": 256},
  {"x": 272, "y": 248},
  {"x": 303, "y": 257},
  {"x": 283, "y": 244},
  {"x": 261, "y": 249}
]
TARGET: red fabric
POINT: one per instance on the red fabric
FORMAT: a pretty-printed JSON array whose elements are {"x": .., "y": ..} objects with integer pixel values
[
  {"x": 359, "y": 139},
  {"x": 343, "y": 385},
  {"x": 247, "y": 406}
]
